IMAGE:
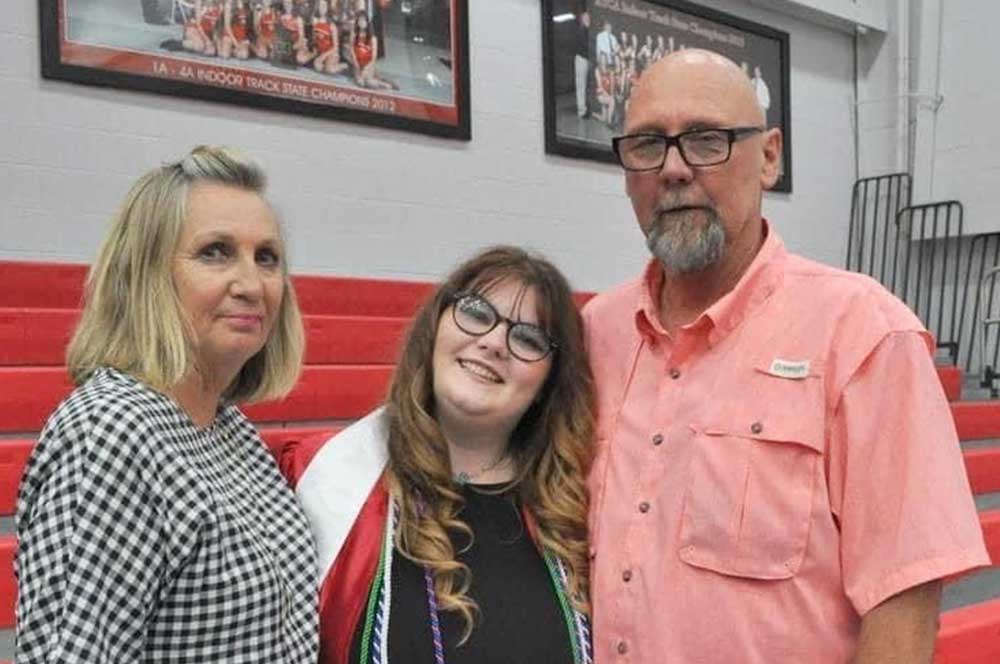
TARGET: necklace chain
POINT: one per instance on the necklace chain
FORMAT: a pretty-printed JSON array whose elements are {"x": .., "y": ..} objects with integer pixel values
[{"x": 464, "y": 477}]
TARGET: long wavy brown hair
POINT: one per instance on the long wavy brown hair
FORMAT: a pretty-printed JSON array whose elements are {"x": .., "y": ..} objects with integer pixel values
[{"x": 550, "y": 446}]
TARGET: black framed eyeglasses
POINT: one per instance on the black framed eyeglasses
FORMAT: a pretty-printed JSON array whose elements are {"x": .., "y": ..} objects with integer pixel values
[
  {"x": 647, "y": 151},
  {"x": 473, "y": 314}
]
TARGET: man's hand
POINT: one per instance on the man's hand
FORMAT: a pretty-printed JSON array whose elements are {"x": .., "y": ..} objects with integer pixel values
[{"x": 902, "y": 629}]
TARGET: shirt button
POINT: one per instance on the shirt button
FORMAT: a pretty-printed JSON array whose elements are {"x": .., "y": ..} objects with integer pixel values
[
  {"x": 622, "y": 647},
  {"x": 644, "y": 507},
  {"x": 627, "y": 575},
  {"x": 756, "y": 428},
  {"x": 675, "y": 373},
  {"x": 657, "y": 439}
]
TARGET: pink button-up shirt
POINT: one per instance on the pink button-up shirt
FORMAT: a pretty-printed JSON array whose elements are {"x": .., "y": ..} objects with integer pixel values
[{"x": 771, "y": 472}]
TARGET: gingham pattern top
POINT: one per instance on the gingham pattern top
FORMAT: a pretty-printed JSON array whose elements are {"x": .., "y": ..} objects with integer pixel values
[{"x": 145, "y": 539}]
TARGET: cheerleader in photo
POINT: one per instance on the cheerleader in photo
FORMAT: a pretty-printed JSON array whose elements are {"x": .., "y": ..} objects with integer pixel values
[
  {"x": 326, "y": 40},
  {"x": 235, "y": 41},
  {"x": 295, "y": 30},
  {"x": 342, "y": 17},
  {"x": 265, "y": 18},
  {"x": 194, "y": 39},
  {"x": 209, "y": 22},
  {"x": 364, "y": 46}
]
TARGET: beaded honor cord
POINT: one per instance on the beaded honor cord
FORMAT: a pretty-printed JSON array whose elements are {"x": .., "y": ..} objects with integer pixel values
[{"x": 375, "y": 637}]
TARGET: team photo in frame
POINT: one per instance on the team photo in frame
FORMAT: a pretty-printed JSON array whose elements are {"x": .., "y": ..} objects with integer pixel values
[
  {"x": 394, "y": 63},
  {"x": 593, "y": 52}
]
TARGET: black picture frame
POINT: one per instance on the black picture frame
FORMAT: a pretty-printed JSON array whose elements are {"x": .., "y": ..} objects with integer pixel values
[
  {"x": 146, "y": 45},
  {"x": 671, "y": 25}
]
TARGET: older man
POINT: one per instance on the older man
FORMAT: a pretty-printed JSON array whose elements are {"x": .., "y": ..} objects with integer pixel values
[{"x": 777, "y": 476}]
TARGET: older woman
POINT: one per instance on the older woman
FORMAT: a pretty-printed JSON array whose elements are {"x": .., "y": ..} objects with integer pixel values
[
  {"x": 451, "y": 524},
  {"x": 153, "y": 524}
]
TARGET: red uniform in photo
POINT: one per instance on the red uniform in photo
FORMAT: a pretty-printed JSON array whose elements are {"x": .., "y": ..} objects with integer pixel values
[
  {"x": 291, "y": 23},
  {"x": 209, "y": 19},
  {"x": 362, "y": 52},
  {"x": 241, "y": 24},
  {"x": 267, "y": 22},
  {"x": 323, "y": 36}
]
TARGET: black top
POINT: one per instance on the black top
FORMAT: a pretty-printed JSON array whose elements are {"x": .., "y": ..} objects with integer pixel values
[{"x": 519, "y": 620}]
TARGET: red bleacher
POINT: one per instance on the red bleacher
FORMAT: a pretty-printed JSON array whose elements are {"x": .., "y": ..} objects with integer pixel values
[{"x": 353, "y": 327}]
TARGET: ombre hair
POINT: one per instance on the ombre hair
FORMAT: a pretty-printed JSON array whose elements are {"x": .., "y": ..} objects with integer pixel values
[
  {"x": 132, "y": 318},
  {"x": 550, "y": 446}
]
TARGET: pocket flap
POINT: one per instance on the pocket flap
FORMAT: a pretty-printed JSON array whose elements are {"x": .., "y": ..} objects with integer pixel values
[
  {"x": 773, "y": 408},
  {"x": 788, "y": 428}
]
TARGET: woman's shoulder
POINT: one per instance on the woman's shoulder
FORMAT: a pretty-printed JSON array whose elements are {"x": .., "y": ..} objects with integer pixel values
[
  {"x": 107, "y": 391},
  {"x": 101, "y": 432},
  {"x": 360, "y": 446},
  {"x": 111, "y": 406}
]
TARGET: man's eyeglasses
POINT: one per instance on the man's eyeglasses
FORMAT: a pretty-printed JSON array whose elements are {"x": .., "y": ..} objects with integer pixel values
[
  {"x": 473, "y": 314},
  {"x": 699, "y": 147}
]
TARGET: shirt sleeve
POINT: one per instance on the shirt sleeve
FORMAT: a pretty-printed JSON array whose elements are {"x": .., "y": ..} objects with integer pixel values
[
  {"x": 897, "y": 482},
  {"x": 94, "y": 544}
]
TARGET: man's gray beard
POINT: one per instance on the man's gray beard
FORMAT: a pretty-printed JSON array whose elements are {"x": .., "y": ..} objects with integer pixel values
[{"x": 685, "y": 244}]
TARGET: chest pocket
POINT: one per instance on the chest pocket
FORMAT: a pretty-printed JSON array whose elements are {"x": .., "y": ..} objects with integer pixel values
[{"x": 753, "y": 479}]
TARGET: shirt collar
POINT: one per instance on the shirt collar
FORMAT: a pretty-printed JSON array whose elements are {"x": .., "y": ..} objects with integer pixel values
[{"x": 757, "y": 284}]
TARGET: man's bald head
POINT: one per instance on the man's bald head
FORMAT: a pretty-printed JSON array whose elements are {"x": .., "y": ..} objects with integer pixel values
[
  {"x": 701, "y": 217},
  {"x": 696, "y": 66}
]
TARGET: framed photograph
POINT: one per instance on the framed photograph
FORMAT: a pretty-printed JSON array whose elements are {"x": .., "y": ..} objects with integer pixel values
[
  {"x": 593, "y": 52},
  {"x": 393, "y": 63}
]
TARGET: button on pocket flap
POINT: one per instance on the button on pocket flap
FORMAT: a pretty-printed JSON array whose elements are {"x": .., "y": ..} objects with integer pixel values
[
  {"x": 798, "y": 427},
  {"x": 778, "y": 408}
]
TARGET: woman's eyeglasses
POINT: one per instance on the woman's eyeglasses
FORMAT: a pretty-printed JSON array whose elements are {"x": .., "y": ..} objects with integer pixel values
[{"x": 473, "y": 314}]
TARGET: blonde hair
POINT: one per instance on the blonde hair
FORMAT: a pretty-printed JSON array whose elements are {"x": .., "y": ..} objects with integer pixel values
[
  {"x": 551, "y": 445},
  {"x": 132, "y": 319}
]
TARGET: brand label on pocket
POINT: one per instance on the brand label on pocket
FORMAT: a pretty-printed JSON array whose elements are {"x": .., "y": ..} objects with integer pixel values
[{"x": 793, "y": 369}]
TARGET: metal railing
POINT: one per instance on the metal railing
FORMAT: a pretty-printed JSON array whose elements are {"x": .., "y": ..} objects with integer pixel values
[
  {"x": 918, "y": 252},
  {"x": 927, "y": 274},
  {"x": 873, "y": 245},
  {"x": 982, "y": 300}
]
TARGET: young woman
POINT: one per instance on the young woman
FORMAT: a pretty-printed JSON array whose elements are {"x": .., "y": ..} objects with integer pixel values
[
  {"x": 236, "y": 21},
  {"x": 326, "y": 40},
  {"x": 295, "y": 32},
  {"x": 194, "y": 39},
  {"x": 451, "y": 524},
  {"x": 364, "y": 47},
  {"x": 209, "y": 20},
  {"x": 265, "y": 20}
]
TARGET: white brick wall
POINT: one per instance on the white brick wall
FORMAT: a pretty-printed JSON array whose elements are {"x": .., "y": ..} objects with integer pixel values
[{"x": 365, "y": 201}]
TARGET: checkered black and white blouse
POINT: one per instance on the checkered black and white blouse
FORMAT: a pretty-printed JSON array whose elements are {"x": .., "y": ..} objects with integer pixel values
[{"x": 145, "y": 539}]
